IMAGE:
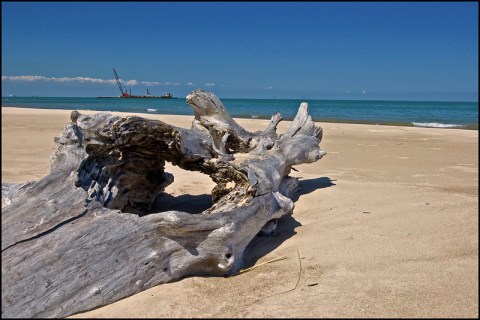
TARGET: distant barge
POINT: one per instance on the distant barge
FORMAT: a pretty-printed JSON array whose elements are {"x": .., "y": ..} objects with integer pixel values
[
  {"x": 125, "y": 94},
  {"x": 148, "y": 96}
]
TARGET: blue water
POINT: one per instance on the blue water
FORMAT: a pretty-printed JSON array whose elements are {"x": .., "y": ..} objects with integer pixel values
[{"x": 408, "y": 113}]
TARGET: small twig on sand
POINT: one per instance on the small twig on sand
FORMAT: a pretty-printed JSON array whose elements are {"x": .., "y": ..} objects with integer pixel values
[
  {"x": 296, "y": 284},
  {"x": 258, "y": 265}
]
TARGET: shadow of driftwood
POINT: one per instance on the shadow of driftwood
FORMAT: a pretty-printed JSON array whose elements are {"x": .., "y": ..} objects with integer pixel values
[
  {"x": 309, "y": 185},
  {"x": 192, "y": 204},
  {"x": 261, "y": 246}
]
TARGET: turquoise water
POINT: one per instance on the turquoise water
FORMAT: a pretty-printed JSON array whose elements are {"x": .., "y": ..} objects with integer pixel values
[{"x": 407, "y": 113}]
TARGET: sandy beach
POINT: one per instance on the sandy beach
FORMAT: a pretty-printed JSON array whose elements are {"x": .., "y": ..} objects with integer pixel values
[{"x": 385, "y": 225}]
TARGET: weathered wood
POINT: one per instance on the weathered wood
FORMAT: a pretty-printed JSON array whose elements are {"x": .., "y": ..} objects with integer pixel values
[{"x": 85, "y": 235}]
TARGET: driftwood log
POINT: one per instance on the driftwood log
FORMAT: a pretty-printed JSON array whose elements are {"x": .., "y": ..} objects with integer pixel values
[{"x": 85, "y": 235}]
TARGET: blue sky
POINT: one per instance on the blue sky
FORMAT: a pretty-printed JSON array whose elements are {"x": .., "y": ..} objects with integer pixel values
[{"x": 314, "y": 50}]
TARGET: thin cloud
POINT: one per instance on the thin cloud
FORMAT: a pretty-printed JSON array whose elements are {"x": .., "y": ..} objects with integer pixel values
[
  {"x": 209, "y": 84},
  {"x": 132, "y": 83},
  {"x": 61, "y": 80},
  {"x": 149, "y": 83},
  {"x": 23, "y": 78}
]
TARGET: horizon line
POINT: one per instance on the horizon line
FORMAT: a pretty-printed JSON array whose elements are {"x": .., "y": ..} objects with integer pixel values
[{"x": 301, "y": 98}]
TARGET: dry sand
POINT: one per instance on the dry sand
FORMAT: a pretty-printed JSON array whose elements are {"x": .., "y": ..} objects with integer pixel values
[{"x": 386, "y": 225}]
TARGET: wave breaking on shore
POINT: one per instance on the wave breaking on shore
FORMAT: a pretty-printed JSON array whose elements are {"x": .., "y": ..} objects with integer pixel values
[{"x": 437, "y": 125}]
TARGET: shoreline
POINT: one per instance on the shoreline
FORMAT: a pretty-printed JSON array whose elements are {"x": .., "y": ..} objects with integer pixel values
[
  {"x": 319, "y": 120},
  {"x": 385, "y": 224}
]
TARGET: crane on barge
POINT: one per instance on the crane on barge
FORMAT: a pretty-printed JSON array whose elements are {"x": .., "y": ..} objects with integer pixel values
[
  {"x": 122, "y": 88},
  {"x": 126, "y": 94}
]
